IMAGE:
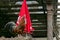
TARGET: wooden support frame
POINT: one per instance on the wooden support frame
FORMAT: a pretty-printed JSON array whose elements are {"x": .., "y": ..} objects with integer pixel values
[{"x": 49, "y": 22}]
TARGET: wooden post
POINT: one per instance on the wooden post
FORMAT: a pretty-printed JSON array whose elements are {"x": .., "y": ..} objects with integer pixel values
[{"x": 49, "y": 22}]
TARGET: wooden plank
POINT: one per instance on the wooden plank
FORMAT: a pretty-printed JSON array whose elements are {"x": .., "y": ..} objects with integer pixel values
[
  {"x": 17, "y": 10},
  {"x": 40, "y": 28},
  {"x": 50, "y": 22}
]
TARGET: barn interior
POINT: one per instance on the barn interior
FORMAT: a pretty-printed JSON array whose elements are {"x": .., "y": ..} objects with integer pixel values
[{"x": 9, "y": 10}]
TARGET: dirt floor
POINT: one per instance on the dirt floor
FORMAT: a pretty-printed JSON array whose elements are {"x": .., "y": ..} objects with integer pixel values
[
  {"x": 19, "y": 37},
  {"x": 23, "y": 38}
]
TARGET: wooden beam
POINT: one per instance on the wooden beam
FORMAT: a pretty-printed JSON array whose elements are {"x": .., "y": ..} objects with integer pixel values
[
  {"x": 50, "y": 22},
  {"x": 49, "y": 2}
]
